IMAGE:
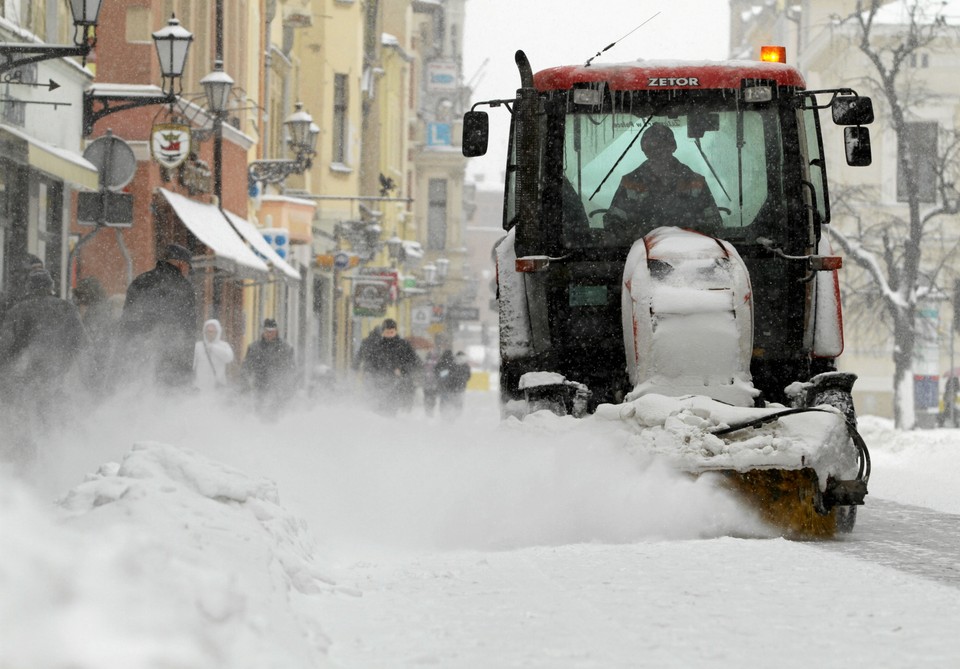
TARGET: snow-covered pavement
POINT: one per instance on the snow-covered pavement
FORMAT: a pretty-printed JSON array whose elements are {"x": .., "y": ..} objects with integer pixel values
[{"x": 334, "y": 537}]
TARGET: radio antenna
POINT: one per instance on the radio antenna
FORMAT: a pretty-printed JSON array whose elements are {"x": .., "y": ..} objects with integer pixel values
[{"x": 615, "y": 42}]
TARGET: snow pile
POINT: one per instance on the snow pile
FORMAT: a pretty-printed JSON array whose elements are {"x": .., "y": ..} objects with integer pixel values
[
  {"x": 680, "y": 431},
  {"x": 167, "y": 559},
  {"x": 917, "y": 467}
]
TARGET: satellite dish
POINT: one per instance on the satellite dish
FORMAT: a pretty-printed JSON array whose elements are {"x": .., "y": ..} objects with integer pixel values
[{"x": 114, "y": 159}]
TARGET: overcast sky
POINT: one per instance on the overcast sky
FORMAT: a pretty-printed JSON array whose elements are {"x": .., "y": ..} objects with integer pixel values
[{"x": 566, "y": 32}]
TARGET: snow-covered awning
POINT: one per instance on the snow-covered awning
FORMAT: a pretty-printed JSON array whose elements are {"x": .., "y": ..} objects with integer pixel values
[
  {"x": 260, "y": 246},
  {"x": 69, "y": 166},
  {"x": 210, "y": 226}
]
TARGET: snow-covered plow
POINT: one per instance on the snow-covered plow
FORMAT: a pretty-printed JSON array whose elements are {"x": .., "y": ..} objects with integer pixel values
[
  {"x": 687, "y": 317},
  {"x": 804, "y": 467},
  {"x": 665, "y": 256}
]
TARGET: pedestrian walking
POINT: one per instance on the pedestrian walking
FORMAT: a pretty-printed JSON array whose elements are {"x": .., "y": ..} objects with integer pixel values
[
  {"x": 211, "y": 355},
  {"x": 453, "y": 374},
  {"x": 159, "y": 321},
  {"x": 97, "y": 315},
  {"x": 430, "y": 380},
  {"x": 389, "y": 364},
  {"x": 18, "y": 282},
  {"x": 41, "y": 338},
  {"x": 269, "y": 369}
]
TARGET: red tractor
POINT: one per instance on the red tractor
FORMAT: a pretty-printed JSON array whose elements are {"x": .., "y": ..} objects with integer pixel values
[{"x": 665, "y": 234}]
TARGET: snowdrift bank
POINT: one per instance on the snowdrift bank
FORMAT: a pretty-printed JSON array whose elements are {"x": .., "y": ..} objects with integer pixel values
[{"x": 165, "y": 560}]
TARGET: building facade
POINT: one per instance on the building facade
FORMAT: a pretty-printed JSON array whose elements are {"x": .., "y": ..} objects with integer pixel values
[
  {"x": 821, "y": 37},
  {"x": 305, "y": 235}
]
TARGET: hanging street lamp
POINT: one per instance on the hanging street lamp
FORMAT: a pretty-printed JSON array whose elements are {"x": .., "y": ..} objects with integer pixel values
[
  {"x": 173, "y": 44},
  {"x": 302, "y": 134},
  {"x": 85, "y": 16}
]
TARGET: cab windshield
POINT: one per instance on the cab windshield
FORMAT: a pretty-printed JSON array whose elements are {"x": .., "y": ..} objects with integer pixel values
[{"x": 737, "y": 152}]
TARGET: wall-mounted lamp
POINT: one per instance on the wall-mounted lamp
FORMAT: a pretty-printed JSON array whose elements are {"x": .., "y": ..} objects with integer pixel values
[
  {"x": 217, "y": 86},
  {"x": 363, "y": 237},
  {"x": 394, "y": 245},
  {"x": 302, "y": 134},
  {"x": 85, "y": 17},
  {"x": 429, "y": 272},
  {"x": 173, "y": 44}
]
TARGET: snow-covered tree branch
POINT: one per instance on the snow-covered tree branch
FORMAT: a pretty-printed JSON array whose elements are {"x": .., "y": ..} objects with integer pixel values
[{"x": 899, "y": 253}]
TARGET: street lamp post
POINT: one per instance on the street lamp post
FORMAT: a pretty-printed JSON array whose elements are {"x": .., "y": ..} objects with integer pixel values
[
  {"x": 85, "y": 18},
  {"x": 173, "y": 44},
  {"x": 217, "y": 86}
]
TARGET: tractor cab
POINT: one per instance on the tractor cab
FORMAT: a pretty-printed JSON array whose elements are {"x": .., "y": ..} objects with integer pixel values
[{"x": 747, "y": 164}]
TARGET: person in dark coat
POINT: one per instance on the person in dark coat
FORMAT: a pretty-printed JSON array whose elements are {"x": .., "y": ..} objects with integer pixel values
[
  {"x": 389, "y": 364},
  {"x": 18, "y": 282},
  {"x": 270, "y": 369},
  {"x": 41, "y": 338},
  {"x": 368, "y": 342},
  {"x": 453, "y": 373},
  {"x": 159, "y": 321},
  {"x": 662, "y": 191},
  {"x": 430, "y": 386}
]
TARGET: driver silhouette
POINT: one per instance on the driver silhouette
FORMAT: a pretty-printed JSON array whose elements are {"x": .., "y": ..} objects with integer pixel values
[{"x": 661, "y": 191}]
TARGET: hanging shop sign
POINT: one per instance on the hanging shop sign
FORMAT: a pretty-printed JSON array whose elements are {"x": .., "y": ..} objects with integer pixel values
[
  {"x": 441, "y": 75},
  {"x": 370, "y": 298},
  {"x": 374, "y": 288},
  {"x": 170, "y": 144}
]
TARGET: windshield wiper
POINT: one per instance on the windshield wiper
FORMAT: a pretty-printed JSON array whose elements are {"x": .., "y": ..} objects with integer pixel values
[
  {"x": 712, "y": 171},
  {"x": 629, "y": 146}
]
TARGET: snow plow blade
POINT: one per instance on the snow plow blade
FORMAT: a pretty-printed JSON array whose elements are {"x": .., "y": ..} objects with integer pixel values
[
  {"x": 789, "y": 500},
  {"x": 803, "y": 469}
]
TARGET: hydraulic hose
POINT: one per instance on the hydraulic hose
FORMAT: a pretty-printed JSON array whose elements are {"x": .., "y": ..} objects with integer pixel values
[{"x": 863, "y": 455}]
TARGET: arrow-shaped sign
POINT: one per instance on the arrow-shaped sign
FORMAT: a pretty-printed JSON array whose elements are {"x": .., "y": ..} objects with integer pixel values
[{"x": 51, "y": 85}]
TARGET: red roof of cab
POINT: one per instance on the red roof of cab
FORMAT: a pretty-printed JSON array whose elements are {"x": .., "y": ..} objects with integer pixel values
[{"x": 639, "y": 75}]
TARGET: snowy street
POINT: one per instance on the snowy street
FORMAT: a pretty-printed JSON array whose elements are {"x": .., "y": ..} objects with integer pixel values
[
  {"x": 335, "y": 537},
  {"x": 718, "y": 603}
]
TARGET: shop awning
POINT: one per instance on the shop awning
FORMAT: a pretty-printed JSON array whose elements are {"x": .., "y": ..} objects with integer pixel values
[
  {"x": 210, "y": 226},
  {"x": 260, "y": 246},
  {"x": 68, "y": 166}
]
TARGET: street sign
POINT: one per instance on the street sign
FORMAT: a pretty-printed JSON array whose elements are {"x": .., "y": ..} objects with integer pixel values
[
  {"x": 114, "y": 159},
  {"x": 114, "y": 210},
  {"x": 420, "y": 316},
  {"x": 341, "y": 260},
  {"x": 457, "y": 313}
]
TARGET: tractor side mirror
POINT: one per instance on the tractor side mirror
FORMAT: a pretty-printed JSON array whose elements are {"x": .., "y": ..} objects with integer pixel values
[
  {"x": 476, "y": 133},
  {"x": 852, "y": 110},
  {"x": 856, "y": 142}
]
